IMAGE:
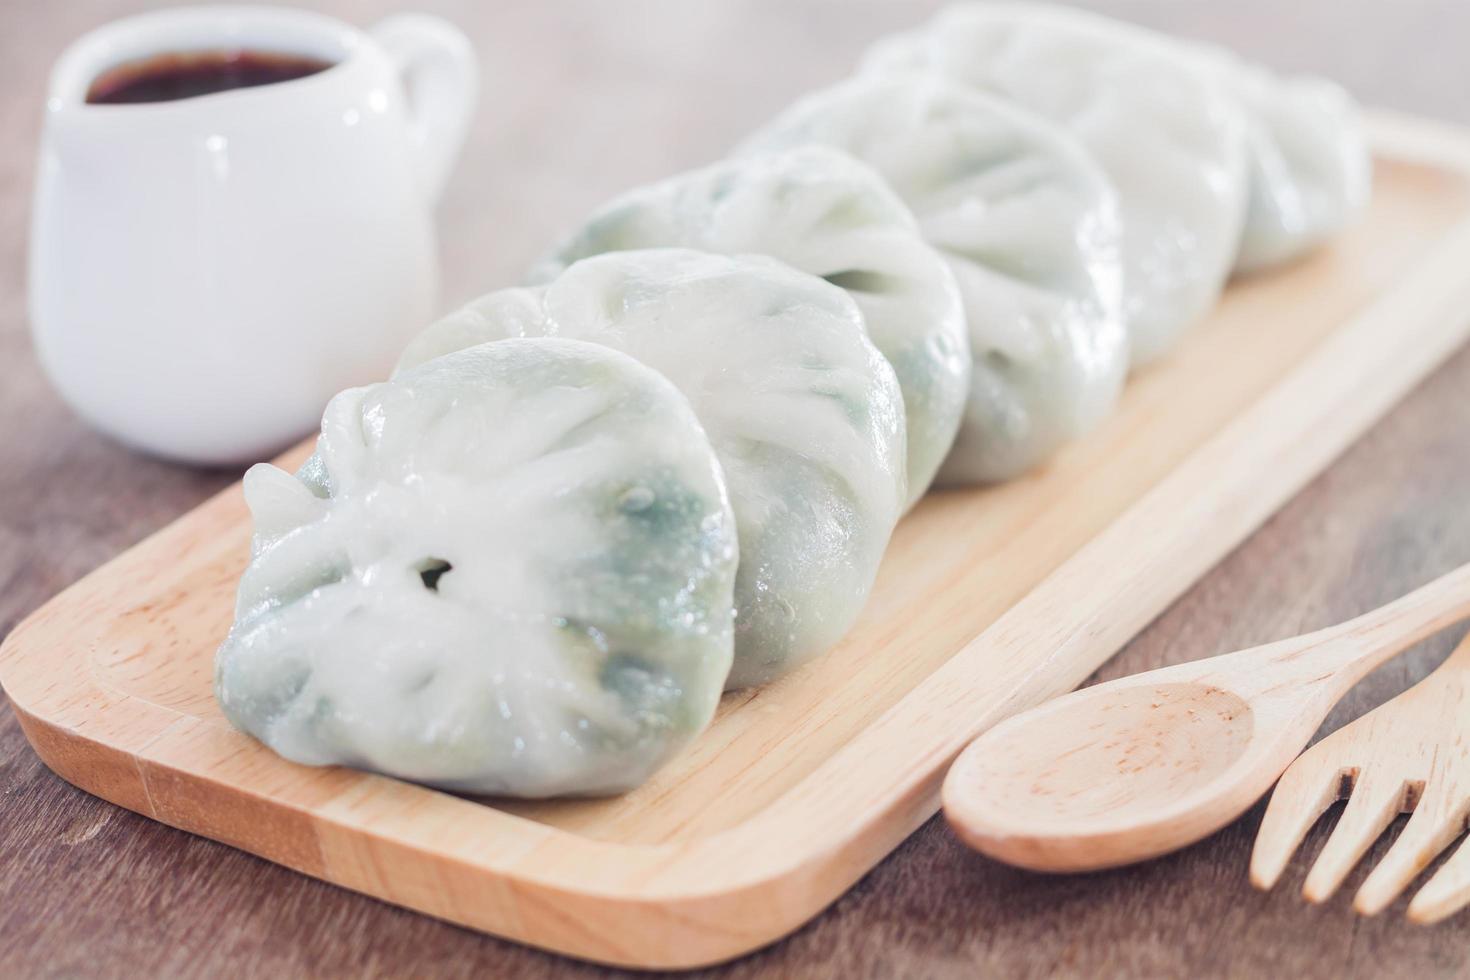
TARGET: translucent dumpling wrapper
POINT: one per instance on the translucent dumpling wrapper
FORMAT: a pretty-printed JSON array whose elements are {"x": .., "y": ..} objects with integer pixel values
[
  {"x": 1310, "y": 168},
  {"x": 507, "y": 571},
  {"x": 1171, "y": 140},
  {"x": 804, "y": 414},
  {"x": 1308, "y": 164},
  {"x": 1029, "y": 226},
  {"x": 825, "y": 213}
]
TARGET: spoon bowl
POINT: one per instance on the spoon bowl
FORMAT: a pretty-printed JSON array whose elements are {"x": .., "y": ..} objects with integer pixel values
[{"x": 1145, "y": 753}]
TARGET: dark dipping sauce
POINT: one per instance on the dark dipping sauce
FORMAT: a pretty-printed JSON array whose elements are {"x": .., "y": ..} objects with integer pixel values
[{"x": 184, "y": 75}]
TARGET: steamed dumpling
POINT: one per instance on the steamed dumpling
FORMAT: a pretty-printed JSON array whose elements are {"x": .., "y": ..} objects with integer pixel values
[
  {"x": 1307, "y": 160},
  {"x": 1171, "y": 140},
  {"x": 1028, "y": 224},
  {"x": 1310, "y": 169},
  {"x": 804, "y": 415},
  {"x": 825, "y": 213},
  {"x": 506, "y": 571}
]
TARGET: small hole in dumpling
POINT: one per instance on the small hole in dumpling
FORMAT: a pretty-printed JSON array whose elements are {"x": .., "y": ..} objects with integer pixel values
[
  {"x": 998, "y": 362},
  {"x": 420, "y": 682},
  {"x": 863, "y": 281},
  {"x": 431, "y": 570},
  {"x": 634, "y": 500}
]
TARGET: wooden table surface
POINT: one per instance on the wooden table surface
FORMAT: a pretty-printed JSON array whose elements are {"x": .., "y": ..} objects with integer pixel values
[{"x": 582, "y": 99}]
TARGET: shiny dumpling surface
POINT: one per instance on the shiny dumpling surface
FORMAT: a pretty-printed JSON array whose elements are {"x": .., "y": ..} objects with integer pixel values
[
  {"x": 1310, "y": 168},
  {"x": 804, "y": 414},
  {"x": 1170, "y": 139},
  {"x": 507, "y": 571},
  {"x": 1029, "y": 226},
  {"x": 823, "y": 212}
]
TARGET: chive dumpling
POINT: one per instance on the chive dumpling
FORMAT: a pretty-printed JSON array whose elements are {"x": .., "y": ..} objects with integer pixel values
[
  {"x": 804, "y": 414},
  {"x": 826, "y": 213},
  {"x": 1147, "y": 103},
  {"x": 1309, "y": 169},
  {"x": 506, "y": 571},
  {"x": 1170, "y": 139},
  {"x": 1029, "y": 226}
]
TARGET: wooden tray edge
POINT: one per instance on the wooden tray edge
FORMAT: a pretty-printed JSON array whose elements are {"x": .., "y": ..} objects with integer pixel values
[{"x": 683, "y": 906}]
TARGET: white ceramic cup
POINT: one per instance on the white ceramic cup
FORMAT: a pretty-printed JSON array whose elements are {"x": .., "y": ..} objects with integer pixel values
[{"x": 207, "y": 272}]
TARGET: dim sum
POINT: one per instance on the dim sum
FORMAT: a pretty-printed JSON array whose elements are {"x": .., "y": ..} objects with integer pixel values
[
  {"x": 509, "y": 570},
  {"x": 804, "y": 414},
  {"x": 1030, "y": 227},
  {"x": 825, "y": 213}
]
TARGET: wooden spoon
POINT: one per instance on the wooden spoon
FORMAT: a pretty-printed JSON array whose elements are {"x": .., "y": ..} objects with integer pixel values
[{"x": 1144, "y": 765}]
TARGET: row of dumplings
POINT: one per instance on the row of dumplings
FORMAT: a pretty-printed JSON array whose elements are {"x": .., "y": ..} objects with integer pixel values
[{"x": 668, "y": 466}]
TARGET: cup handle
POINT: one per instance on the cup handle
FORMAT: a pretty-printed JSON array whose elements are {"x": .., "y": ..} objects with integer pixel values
[{"x": 440, "y": 76}]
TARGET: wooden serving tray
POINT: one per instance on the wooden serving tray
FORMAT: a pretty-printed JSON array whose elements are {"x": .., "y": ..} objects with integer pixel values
[{"x": 988, "y": 602}]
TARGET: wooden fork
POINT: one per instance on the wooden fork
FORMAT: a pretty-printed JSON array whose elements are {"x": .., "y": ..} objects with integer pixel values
[{"x": 1409, "y": 755}]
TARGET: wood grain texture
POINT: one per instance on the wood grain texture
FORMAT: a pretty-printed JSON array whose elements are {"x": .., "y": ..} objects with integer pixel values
[
  {"x": 1407, "y": 756},
  {"x": 85, "y": 887}
]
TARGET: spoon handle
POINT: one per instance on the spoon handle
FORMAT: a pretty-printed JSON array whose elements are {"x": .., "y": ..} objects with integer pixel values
[{"x": 1351, "y": 650}]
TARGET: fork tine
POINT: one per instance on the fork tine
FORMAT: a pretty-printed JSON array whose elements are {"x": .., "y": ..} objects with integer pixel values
[
  {"x": 1433, "y": 827},
  {"x": 1447, "y": 892},
  {"x": 1371, "y": 808},
  {"x": 1308, "y": 787}
]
